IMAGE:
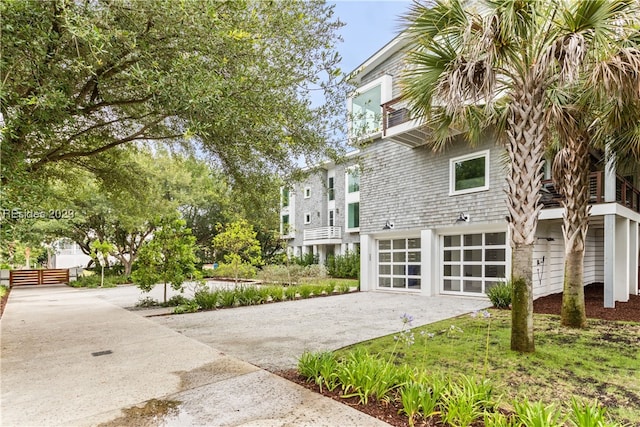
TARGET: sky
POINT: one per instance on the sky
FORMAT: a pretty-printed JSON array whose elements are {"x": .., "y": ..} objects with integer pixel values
[{"x": 370, "y": 24}]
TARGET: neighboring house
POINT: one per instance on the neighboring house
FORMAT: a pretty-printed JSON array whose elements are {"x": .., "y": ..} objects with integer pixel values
[
  {"x": 434, "y": 223},
  {"x": 68, "y": 254},
  {"x": 320, "y": 215}
]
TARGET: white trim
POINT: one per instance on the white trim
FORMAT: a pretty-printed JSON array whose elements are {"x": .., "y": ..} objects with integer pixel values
[
  {"x": 386, "y": 92},
  {"x": 466, "y": 157}
]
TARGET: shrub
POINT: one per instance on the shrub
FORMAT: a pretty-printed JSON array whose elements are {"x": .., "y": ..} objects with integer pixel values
[
  {"x": 315, "y": 271},
  {"x": 538, "y": 414},
  {"x": 306, "y": 291},
  {"x": 319, "y": 367},
  {"x": 3, "y": 290},
  {"x": 147, "y": 302},
  {"x": 249, "y": 295},
  {"x": 188, "y": 307},
  {"x": 228, "y": 298},
  {"x": 330, "y": 287},
  {"x": 245, "y": 271},
  {"x": 291, "y": 292},
  {"x": 345, "y": 266},
  {"x": 275, "y": 292},
  {"x": 283, "y": 274},
  {"x": 207, "y": 300},
  {"x": 500, "y": 295},
  {"x": 305, "y": 259},
  {"x": 175, "y": 301}
]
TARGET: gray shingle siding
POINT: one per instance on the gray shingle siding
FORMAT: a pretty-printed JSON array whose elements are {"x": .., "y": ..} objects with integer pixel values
[{"x": 410, "y": 187}]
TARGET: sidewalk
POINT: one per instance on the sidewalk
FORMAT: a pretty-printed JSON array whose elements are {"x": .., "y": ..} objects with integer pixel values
[{"x": 70, "y": 357}]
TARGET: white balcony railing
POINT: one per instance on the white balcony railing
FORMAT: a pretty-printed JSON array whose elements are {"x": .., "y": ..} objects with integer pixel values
[{"x": 322, "y": 233}]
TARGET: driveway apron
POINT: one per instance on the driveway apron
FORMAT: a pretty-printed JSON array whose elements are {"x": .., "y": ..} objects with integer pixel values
[{"x": 71, "y": 357}]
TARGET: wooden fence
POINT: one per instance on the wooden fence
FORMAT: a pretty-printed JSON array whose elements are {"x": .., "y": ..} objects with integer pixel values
[{"x": 38, "y": 277}]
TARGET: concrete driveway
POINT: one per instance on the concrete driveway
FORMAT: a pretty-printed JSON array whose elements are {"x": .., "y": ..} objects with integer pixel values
[
  {"x": 76, "y": 357},
  {"x": 273, "y": 336}
]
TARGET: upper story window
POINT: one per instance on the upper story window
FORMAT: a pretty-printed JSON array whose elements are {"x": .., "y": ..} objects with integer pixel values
[
  {"x": 365, "y": 107},
  {"x": 469, "y": 173},
  {"x": 353, "y": 215},
  {"x": 307, "y": 192},
  {"x": 353, "y": 180},
  {"x": 307, "y": 218},
  {"x": 285, "y": 197},
  {"x": 330, "y": 188}
]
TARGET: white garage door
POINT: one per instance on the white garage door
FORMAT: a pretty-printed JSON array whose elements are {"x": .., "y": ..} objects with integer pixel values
[
  {"x": 472, "y": 263},
  {"x": 399, "y": 263}
]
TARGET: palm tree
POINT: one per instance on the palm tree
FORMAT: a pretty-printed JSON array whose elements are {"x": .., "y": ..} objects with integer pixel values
[
  {"x": 609, "y": 64},
  {"x": 494, "y": 63}
]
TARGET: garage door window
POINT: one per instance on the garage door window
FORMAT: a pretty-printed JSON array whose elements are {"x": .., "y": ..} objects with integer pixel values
[
  {"x": 473, "y": 263},
  {"x": 399, "y": 263}
]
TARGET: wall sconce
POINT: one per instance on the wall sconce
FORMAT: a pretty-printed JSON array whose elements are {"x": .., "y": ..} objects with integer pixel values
[
  {"x": 462, "y": 218},
  {"x": 388, "y": 225}
]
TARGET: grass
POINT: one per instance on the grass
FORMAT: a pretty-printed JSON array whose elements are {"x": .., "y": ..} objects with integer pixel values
[{"x": 601, "y": 362}]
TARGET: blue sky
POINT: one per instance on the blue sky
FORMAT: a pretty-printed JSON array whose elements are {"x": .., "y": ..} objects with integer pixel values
[{"x": 370, "y": 24}]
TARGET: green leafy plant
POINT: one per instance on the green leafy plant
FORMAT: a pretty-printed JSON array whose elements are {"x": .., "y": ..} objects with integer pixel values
[
  {"x": 330, "y": 287},
  {"x": 538, "y": 414},
  {"x": 228, "y": 298},
  {"x": 306, "y": 291},
  {"x": 291, "y": 292},
  {"x": 345, "y": 266},
  {"x": 189, "y": 306},
  {"x": 3, "y": 290},
  {"x": 410, "y": 399},
  {"x": 498, "y": 419},
  {"x": 588, "y": 415},
  {"x": 319, "y": 367},
  {"x": 465, "y": 400},
  {"x": 344, "y": 288},
  {"x": 249, "y": 295},
  {"x": 147, "y": 302},
  {"x": 239, "y": 245},
  {"x": 364, "y": 375},
  {"x": 500, "y": 294},
  {"x": 276, "y": 293},
  {"x": 207, "y": 300},
  {"x": 175, "y": 301}
]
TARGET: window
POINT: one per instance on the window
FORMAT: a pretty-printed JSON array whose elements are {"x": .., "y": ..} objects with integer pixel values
[
  {"x": 285, "y": 224},
  {"x": 473, "y": 263},
  {"x": 330, "y": 189},
  {"x": 353, "y": 213},
  {"x": 365, "y": 107},
  {"x": 307, "y": 192},
  {"x": 399, "y": 263},
  {"x": 307, "y": 218},
  {"x": 469, "y": 173},
  {"x": 353, "y": 180},
  {"x": 331, "y": 218},
  {"x": 285, "y": 197}
]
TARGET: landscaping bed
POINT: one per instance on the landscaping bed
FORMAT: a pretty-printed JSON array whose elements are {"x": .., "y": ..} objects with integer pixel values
[{"x": 595, "y": 365}]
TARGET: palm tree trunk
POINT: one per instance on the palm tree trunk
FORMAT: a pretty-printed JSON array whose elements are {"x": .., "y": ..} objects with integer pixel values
[
  {"x": 571, "y": 173},
  {"x": 526, "y": 133}
]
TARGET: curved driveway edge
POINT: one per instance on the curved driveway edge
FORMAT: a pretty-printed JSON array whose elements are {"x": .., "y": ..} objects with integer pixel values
[{"x": 71, "y": 357}]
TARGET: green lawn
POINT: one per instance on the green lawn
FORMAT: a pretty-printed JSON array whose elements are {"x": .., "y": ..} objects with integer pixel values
[{"x": 601, "y": 362}]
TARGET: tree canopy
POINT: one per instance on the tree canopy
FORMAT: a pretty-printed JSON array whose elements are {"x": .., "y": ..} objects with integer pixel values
[{"x": 230, "y": 78}]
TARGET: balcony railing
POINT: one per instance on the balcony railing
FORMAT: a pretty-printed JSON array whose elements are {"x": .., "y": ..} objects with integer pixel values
[
  {"x": 323, "y": 233},
  {"x": 394, "y": 113},
  {"x": 626, "y": 194}
]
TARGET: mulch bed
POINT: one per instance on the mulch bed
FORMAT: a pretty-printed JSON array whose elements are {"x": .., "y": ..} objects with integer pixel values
[
  {"x": 551, "y": 304},
  {"x": 594, "y": 304}
]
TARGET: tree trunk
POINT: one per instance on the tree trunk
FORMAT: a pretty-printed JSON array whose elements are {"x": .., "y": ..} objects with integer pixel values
[
  {"x": 522, "y": 299},
  {"x": 573, "y": 309},
  {"x": 526, "y": 133},
  {"x": 571, "y": 175}
]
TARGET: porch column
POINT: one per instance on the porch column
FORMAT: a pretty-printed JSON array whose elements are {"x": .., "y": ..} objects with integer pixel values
[
  {"x": 430, "y": 280},
  {"x": 634, "y": 254},
  {"x": 622, "y": 285},
  {"x": 609, "y": 260},
  {"x": 367, "y": 263}
]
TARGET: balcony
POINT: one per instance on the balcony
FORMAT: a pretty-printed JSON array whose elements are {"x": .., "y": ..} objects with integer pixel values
[
  {"x": 323, "y": 234},
  {"x": 626, "y": 194},
  {"x": 400, "y": 127}
]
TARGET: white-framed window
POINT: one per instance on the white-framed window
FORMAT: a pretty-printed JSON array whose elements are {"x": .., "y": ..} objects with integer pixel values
[
  {"x": 286, "y": 227},
  {"x": 469, "y": 173},
  {"x": 352, "y": 198},
  {"x": 365, "y": 107},
  {"x": 331, "y": 193},
  {"x": 285, "y": 197},
  {"x": 307, "y": 218},
  {"x": 332, "y": 218},
  {"x": 400, "y": 263},
  {"x": 473, "y": 263},
  {"x": 307, "y": 192},
  {"x": 353, "y": 215}
]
